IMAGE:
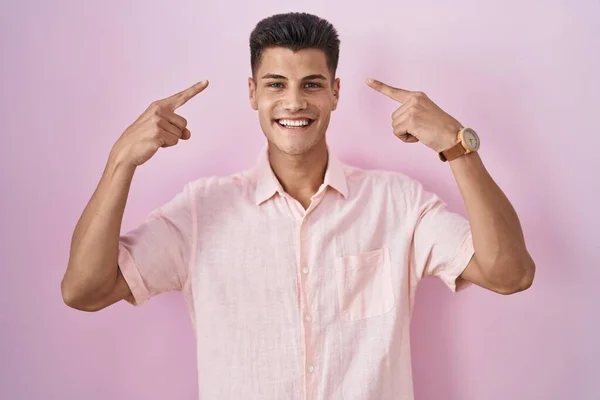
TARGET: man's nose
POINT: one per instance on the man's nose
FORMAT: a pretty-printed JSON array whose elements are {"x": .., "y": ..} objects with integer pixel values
[{"x": 294, "y": 102}]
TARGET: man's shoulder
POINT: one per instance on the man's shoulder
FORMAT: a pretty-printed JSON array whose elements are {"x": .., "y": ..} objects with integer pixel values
[
  {"x": 222, "y": 188},
  {"x": 378, "y": 176},
  {"x": 235, "y": 181}
]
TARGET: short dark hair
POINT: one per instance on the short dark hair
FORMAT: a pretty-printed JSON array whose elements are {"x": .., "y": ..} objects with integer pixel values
[{"x": 295, "y": 31}]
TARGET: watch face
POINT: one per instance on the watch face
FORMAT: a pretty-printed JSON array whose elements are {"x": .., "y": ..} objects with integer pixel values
[{"x": 471, "y": 140}]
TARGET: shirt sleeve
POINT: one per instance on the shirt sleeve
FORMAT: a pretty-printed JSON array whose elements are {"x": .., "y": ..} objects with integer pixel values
[
  {"x": 154, "y": 257},
  {"x": 442, "y": 243}
]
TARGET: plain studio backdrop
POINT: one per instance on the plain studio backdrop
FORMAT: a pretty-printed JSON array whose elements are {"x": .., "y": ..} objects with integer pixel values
[{"x": 524, "y": 74}]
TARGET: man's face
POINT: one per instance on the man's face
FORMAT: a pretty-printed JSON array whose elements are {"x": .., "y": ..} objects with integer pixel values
[{"x": 294, "y": 95}]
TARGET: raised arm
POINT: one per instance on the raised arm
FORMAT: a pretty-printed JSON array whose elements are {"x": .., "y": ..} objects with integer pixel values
[
  {"x": 93, "y": 279},
  {"x": 501, "y": 262}
]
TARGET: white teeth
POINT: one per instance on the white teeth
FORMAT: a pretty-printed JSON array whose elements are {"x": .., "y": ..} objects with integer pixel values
[{"x": 288, "y": 122}]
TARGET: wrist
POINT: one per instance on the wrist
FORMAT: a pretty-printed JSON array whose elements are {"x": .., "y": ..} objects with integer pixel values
[
  {"x": 118, "y": 164},
  {"x": 467, "y": 142},
  {"x": 449, "y": 139}
]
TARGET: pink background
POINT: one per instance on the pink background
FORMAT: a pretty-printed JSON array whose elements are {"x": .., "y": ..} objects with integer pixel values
[{"x": 525, "y": 74}]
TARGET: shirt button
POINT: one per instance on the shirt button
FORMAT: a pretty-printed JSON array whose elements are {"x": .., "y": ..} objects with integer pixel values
[
  {"x": 308, "y": 318},
  {"x": 311, "y": 368},
  {"x": 305, "y": 270}
]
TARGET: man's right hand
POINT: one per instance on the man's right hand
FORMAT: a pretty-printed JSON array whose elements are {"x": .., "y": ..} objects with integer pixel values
[{"x": 158, "y": 126}]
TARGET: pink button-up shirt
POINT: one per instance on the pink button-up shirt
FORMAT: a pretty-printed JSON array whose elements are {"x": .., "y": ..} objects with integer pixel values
[{"x": 299, "y": 304}]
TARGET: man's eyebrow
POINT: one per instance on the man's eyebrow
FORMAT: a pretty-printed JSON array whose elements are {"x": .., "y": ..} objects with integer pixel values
[
  {"x": 306, "y": 78},
  {"x": 313, "y": 77},
  {"x": 274, "y": 76}
]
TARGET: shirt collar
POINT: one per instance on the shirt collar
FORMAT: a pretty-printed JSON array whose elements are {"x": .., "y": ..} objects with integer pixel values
[{"x": 267, "y": 183}]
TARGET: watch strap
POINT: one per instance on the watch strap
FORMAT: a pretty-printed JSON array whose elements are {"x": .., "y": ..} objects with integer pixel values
[{"x": 453, "y": 152}]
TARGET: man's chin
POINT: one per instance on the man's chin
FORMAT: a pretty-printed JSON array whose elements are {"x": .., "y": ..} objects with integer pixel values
[
  {"x": 291, "y": 150},
  {"x": 294, "y": 147}
]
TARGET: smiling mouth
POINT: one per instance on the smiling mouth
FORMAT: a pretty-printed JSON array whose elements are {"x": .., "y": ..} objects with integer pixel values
[{"x": 296, "y": 124}]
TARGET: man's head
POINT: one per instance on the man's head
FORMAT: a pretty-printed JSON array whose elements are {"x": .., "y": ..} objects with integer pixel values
[{"x": 293, "y": 87}]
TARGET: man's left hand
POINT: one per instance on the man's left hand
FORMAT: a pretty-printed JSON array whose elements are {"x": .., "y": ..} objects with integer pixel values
[{"x": 419, "y": 119}]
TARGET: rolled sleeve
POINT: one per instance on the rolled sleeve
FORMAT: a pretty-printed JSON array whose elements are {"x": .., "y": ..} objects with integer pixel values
[
  {"x": 155, "y": 256},
  {"x": 442, "y": 239},
  {"x": 131, "y": 274},
  {"x": 450, "y": 275}
]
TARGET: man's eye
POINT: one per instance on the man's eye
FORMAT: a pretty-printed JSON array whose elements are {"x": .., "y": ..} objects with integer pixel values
[
  {"x": 313, "y": 85},
  {"x": 275, "y": 85}
]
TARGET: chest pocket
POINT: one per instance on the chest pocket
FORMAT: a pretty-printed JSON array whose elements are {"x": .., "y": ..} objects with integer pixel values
[{"x": 364, "y": 284}]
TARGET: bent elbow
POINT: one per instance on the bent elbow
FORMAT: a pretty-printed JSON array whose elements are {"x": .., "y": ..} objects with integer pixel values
[
  {"x": 74, "y": 299},
  {"x": 523, "y": 282}
]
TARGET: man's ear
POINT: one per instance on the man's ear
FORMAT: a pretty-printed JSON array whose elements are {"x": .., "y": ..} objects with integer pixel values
[
  {"x": 252, "y": 93},
  {"x": 336, "y": 93}
]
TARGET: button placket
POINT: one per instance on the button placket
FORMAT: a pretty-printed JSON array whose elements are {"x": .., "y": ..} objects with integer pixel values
[{"x": 309, "y": 356}]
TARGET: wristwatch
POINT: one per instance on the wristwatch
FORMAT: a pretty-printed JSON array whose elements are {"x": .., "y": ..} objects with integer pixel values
[{"x": 468, "y": 143}]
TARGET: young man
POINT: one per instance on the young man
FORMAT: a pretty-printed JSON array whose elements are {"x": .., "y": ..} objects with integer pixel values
[{"x": 300, "y": 273}]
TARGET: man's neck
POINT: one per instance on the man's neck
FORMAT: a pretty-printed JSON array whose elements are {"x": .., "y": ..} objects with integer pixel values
[{"x": 300, "y": 175}]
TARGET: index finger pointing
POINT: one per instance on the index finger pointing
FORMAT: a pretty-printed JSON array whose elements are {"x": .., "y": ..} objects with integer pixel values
[
  {"x": 393, "y": 93},
  {"x": 179, "y": 99}
]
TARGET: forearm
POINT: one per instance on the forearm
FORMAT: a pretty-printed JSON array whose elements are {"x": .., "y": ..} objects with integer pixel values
[
  {"x": 92, "y": 269},
  {"x": 498, "y": 239}
]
